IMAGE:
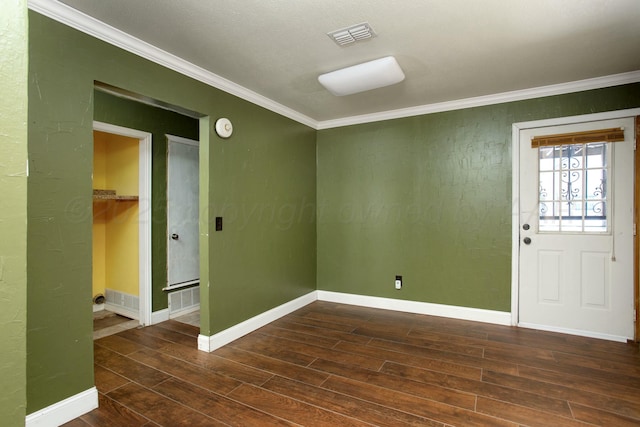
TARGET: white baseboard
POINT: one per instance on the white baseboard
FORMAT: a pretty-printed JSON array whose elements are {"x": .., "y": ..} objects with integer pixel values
[
  {"x": 98, "y": 307},
  {"x": 159, "y": 316},
  {"x": 123, "y": 311},
  {"x": 577, "y": 332},
  {"x": 213, "y": 342},
  {"x": 65, "y": 410},
  {"x": 193, "y": 308},
  {"x": 451, "y": 311}
]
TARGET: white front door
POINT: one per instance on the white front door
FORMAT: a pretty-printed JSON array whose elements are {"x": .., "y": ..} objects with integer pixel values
[
  {"x": 576, "y": 233},
  {"x": 183, "y": 261}
]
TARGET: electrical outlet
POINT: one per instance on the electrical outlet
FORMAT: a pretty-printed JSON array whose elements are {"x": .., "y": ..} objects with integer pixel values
[{"x": 398, "y": 282}]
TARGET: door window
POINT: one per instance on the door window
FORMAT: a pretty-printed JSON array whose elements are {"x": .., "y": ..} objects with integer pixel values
[{"x": 573, "y": 188}]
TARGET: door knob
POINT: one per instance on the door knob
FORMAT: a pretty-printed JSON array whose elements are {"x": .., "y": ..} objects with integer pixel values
[
  {"x": 527, "y": 240},
  {"x": 174, "y": 236}
]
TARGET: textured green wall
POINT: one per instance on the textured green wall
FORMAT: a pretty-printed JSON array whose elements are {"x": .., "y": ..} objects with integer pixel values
[
  {"x": 122, "y": 112},
  {"x": 13, "y": 211},
  {"x": 269, "y": 161},
  {"x": 429, "y": 198},
  {"x": 267, "y": 248}
]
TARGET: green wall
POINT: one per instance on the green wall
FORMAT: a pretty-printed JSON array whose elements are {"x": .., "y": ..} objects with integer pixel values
[
  {"x": 259, "y": 260},
  {"x": 134, "y": 115},
  {"x": 13, "y": 210},
  {"x": 429, "y": 198}
]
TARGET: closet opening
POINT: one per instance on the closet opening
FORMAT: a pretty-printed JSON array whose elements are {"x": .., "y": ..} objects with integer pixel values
[{"x": 121, "y": 228}]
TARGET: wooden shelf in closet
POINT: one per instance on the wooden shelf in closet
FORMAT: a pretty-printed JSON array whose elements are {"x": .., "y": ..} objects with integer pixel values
[{"x": 111, "y": 195}]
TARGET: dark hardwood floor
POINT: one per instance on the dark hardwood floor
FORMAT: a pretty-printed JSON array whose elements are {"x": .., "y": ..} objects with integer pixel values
[{"x": 339, "y": 365}]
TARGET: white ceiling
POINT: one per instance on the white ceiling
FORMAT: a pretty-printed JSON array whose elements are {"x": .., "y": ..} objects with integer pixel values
[{"x": 449, "y": 49}]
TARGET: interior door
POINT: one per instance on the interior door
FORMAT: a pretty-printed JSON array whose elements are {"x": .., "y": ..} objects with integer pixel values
[
  {"x": 576, "y": 233},
  {"x": 183, "y": 263}
]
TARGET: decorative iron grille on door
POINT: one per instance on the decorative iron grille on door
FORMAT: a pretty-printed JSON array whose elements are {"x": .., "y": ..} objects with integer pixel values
[{"x": 573, "y": 174}]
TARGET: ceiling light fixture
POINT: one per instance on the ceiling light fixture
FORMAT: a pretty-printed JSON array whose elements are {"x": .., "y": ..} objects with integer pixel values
[{"x": 362, "y": 77}]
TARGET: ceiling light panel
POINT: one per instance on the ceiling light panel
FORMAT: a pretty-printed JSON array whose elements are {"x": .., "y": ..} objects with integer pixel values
[
  {"x": 352, "y": 34},
  {"x": 362, "y": 77}
]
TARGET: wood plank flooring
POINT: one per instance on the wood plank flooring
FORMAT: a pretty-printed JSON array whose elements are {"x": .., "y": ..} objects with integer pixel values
[
  {"x": 108, "y": 323},
  {"x": 338, "y": 365}
]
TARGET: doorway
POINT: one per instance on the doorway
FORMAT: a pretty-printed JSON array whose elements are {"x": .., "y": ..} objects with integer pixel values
[
  {"x": 573, "y": 228},
  {"x": 122, "y": 222},
  {"x": 183, "y": 254}
]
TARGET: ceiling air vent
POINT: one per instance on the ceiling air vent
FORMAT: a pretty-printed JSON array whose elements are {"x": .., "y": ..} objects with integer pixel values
[{"x": 352, "y": 34}]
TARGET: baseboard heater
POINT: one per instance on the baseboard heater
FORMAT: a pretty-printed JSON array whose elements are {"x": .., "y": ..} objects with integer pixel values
[
  {"x": 122, "y": 303},
  {"x": 184, "y": 301}
]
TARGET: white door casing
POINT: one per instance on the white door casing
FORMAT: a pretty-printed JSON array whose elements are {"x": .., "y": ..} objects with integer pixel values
[
  {"x": 580, "y": 283},
  {"x": 183, "y": 262},
  {"x": 144, "y": 209}
]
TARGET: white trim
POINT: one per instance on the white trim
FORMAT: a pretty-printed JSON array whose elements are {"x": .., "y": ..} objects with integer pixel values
[
  {"x": 144, "y": 212},
  {"x": 515, "y": 223},
  {"x": 515, "y": 196},
  {"x": 159, "y": 316},
  {"x": 576, "y": 332},
  {"x": 65, "y": 410},
  {"x": 120, "y": 130},
  {"x": 480, "y": 101},
  {"x": 98, "y": 307},
  {"x": 584, "y": 118},
  {"x": 454, "y": 312},
  {"x": 75, "y": 19},
  {"x": 188, "y": 310},
  {"x": 213, "y": 342},
  {"x": 98, "y": 29},
  {"x": 122, "y": 311}
]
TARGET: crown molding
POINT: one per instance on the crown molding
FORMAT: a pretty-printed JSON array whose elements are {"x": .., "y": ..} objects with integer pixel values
[
  {"x": 480, "y": 101},
  {"x": 75, "y": 19},
  {"x": 85, "y": 23}
]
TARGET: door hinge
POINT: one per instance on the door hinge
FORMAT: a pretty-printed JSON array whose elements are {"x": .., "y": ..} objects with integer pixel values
[{"x": 634, "y": 228}]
